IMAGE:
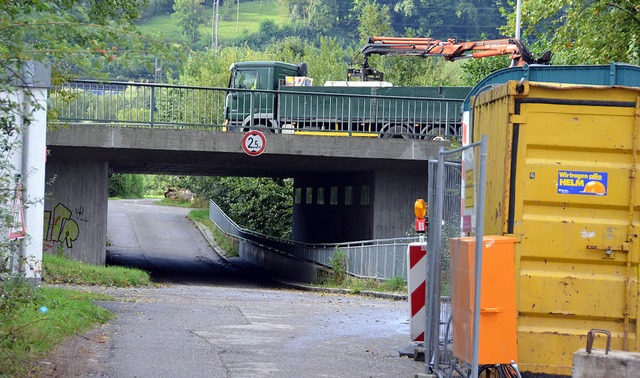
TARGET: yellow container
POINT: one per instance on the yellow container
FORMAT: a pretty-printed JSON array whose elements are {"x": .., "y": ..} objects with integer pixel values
[{"x": 562, "y": 167}]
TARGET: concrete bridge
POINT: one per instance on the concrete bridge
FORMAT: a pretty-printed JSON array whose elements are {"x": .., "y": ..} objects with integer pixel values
[{"x": 345, "y": 188}]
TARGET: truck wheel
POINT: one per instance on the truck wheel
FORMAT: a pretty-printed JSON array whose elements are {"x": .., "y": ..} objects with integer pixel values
[
  {"x": 261, "y": 125},
  {"x": 265, "y": 126},
  {"x": 397, "y": 132},
  {"x": 438, "y": 132}
]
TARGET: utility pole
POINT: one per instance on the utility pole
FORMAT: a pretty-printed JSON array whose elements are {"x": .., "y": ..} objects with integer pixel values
[
  {"x": 518, "y": 16},
  {"x": 214, "y": 24},
  {"x": 238, "y": 17}
]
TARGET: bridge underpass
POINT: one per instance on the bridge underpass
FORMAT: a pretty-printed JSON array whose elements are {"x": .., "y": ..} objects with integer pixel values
[{"x": 382, "y": 176}]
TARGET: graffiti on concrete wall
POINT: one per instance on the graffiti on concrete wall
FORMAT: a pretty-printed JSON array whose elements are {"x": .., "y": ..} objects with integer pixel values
[{"x": 60, "y": 226}]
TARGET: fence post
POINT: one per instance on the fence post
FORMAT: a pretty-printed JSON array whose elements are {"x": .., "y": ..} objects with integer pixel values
[
  {"x": 349, "y": 116},
  {"x": 251, "y": 123},
  {"x": 428, "y": 332},
  {"x": 435, "y": 264},
  {"x": 478, "y": 268},
  {"x": 152, "y": 106}
]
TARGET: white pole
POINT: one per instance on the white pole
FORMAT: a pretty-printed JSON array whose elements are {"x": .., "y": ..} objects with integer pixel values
[
  {"x": 518, "y": 18},
  {"x": 213, "y": 23},
  {"x": 217, "y": 20},
  {"x": 38, "y": 79}
]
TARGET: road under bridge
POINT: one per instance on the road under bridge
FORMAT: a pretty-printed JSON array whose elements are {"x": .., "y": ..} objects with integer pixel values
[{"x": 345, "y": 188}]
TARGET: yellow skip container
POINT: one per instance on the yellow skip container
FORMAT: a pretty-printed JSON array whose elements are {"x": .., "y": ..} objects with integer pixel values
[{"x": 562, "y": 168}]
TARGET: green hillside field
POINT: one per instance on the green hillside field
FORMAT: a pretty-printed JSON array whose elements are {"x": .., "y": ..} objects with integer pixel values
[{"x": 250, "y": 15}]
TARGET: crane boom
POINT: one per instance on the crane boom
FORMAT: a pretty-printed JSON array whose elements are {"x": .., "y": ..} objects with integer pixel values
[{"x": 450, "y": 50}]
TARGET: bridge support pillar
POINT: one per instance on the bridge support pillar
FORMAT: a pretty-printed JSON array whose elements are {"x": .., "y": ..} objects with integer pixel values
[
  {"x": 336, "y": 208},
  {"x": 395, "y": 194},
  {"x": 75, "y": 217}
]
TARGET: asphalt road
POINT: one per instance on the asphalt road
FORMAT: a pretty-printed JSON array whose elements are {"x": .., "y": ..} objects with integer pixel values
[
  {"x": 162, "y": 241},
  {"x": 217, "y": 320}
]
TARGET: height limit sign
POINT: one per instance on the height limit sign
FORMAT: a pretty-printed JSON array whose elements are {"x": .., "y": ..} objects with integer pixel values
[{"x": 254, "y": 143}]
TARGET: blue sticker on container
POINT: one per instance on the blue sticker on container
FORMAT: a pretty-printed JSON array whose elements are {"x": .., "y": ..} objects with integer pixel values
[{"x": 580, "y": 182}]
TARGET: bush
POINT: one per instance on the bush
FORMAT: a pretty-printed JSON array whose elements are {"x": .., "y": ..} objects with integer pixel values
[
  {"x": 338, "y": 263},
  {"x": 126, "y": 186},
  {"x": 15, "y": 293}
]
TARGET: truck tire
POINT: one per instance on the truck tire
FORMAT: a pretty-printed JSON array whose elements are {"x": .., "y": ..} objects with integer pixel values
[
  {"x": 397, "y": 132},
  {"x": 438, "y": 132},
  {"x": 259, "y": 124}
]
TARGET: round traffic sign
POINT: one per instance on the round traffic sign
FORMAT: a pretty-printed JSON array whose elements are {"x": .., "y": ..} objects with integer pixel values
[{"x": 254, "y": 143}]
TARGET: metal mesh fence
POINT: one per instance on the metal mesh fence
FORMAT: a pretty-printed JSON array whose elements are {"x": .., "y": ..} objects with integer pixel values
[
  {"x": 445, "y": 198},
  {"x": 450, "y": 228},
  {"x": 451, "y": 212}
]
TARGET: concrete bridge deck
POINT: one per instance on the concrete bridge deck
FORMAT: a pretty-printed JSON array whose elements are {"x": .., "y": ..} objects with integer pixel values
[{"x": 213, "y": 153}]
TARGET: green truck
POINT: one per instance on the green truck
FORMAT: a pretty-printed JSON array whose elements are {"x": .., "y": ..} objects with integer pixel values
[{"x": 278, "y": 97}]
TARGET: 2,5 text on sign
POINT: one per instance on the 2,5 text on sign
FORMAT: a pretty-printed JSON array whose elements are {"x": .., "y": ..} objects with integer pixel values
[{"x": 254, "y": 143}]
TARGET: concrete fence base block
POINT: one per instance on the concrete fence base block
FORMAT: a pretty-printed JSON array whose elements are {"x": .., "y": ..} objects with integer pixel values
[{"x": 617, "y": 364}]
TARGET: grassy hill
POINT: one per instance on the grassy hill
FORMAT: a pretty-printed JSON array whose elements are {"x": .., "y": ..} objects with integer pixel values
[{"x": 248, "y": 22}]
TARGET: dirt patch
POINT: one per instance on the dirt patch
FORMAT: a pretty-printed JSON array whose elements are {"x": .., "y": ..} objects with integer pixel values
[{"x": 80, "y": 356}]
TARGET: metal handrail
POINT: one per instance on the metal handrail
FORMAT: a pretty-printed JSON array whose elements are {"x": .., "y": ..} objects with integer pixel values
[
  {"x": 381, "y": 258},
  {"x": 318, "y": 111}
]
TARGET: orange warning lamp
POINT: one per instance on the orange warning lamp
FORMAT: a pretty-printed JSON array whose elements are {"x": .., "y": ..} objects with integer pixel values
[{"x": 420, "y": 208}]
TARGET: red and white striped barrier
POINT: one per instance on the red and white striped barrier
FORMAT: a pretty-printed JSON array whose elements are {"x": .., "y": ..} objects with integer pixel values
[{"x": 416, "y": 282}]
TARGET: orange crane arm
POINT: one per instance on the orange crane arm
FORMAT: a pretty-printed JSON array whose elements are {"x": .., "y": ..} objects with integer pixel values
[{"x": 450, "y": 50}]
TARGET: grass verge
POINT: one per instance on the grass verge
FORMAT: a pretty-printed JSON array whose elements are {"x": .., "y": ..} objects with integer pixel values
[
  {"x": 227, "y": 245},
  {"x": 62, "y": 270},
  {"x": 172, "y": 202},
  {"x": 33, "y": 321},
  {"x": 28, "y": 332},
  {"x": 337, "y": 277},
  {"x": 394, "y": 285}
]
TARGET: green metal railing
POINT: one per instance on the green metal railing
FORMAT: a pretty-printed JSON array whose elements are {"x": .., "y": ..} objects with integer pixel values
[
  {"x": 395, "y": 112},
  {"x": 139, "y": 104}
]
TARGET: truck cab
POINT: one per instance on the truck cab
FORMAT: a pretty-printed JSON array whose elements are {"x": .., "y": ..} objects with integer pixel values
[{"x": 251, "y": 100}]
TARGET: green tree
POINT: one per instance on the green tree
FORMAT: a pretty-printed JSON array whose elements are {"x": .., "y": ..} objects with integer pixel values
[
  {"x": 582, "y": 31},
  {"x": 127, "y": 186},
  {"x": 415, "y": 71},
  {"x": 77, "y": 37},
  {"x": 375, "y": 20},
  {"x": 258, "y": 204},
  {"x": 477, "y": 69},
  {"x": 327, "y": 61},
  {"x": 320, "y": 15},
  {"x": 459, "y": 19},
  {"x": 226, "y": 10},
  {"x": 156, "y": 7},
  {"x": 190, "y": 14}
]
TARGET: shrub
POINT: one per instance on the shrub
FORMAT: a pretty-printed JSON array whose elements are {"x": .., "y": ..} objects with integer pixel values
[{"x": 338, "y": 263}]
